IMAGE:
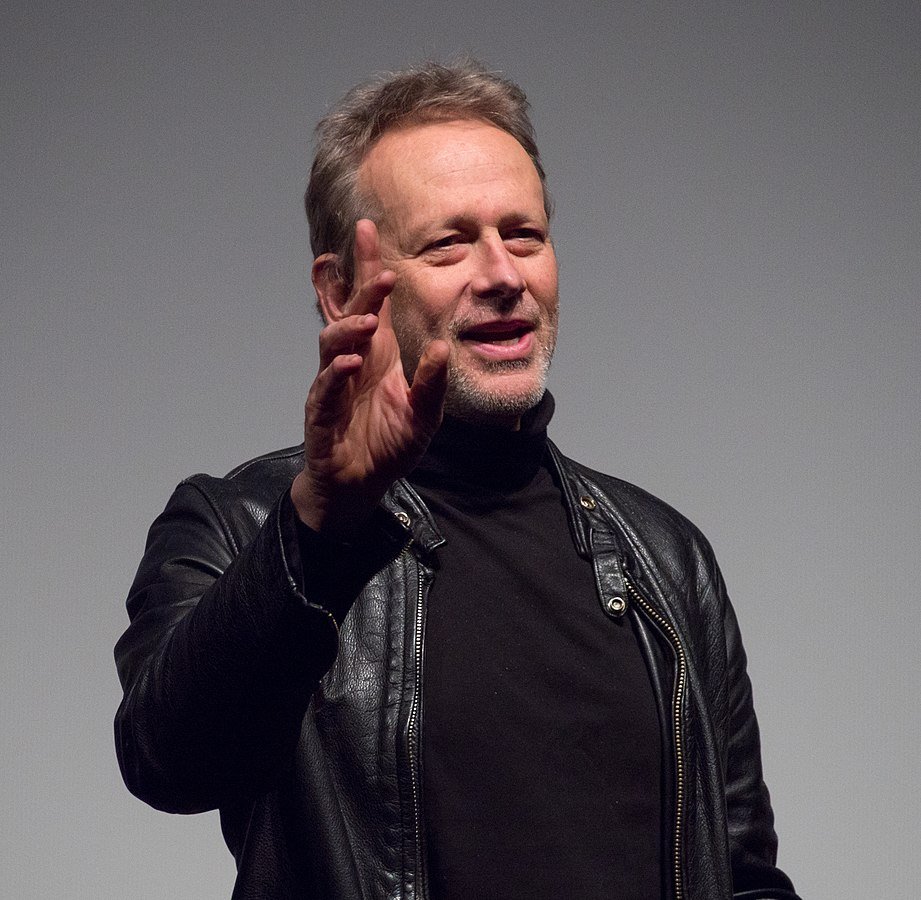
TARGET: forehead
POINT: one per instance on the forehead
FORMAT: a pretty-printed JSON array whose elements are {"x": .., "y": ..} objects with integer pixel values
[{"x": 421, "y": 167}]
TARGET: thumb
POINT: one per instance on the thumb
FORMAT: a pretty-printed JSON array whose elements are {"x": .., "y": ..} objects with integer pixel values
[{"x": 427, "y": 394}]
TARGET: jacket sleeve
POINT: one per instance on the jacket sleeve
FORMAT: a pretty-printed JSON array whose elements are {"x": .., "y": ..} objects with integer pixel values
[
  {"x": 226, "y": 644},
  {"x": 750, "y": 819}
]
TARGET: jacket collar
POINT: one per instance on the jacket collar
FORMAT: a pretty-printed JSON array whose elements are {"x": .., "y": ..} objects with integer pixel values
[
  {"x": 584, "y": 503},
  {"x": 409, "y": 510}
]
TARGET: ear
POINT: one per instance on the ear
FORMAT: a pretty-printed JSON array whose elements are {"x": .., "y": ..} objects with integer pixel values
[{"x": 332, "y": 290}]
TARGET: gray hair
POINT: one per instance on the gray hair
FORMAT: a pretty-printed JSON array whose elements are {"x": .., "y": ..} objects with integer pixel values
[{"x": 430, "y": 92}]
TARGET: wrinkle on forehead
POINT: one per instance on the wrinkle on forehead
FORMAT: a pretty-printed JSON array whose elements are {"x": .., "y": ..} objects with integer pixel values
[
  {"x": 425, "y": 148},
  {"x": 407, "y": 160},
  {"x": 500, "y": 172}
]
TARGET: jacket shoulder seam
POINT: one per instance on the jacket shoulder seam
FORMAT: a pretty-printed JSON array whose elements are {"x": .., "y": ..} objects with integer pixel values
[
  {"x": 287, "y": 453},
  {"x": 195, "y": 482}
]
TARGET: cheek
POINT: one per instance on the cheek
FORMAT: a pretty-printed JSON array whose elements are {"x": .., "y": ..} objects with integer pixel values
[
  {"x": 542, "y": 267},
  {"x": 543, "y": 284},
  {"x": 430, "y": 302},
  {"x": 413, "y": 319}
]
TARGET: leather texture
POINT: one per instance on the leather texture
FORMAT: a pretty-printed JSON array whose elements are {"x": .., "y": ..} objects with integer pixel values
[{"x": 281, "y": 684}]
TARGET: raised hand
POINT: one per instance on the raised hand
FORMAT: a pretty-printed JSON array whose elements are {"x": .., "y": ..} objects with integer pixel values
[{"x": 364, "y": 426}]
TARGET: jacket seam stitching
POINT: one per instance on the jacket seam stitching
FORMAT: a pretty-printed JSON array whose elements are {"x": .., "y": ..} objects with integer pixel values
[{"x": 221, "y": 518}]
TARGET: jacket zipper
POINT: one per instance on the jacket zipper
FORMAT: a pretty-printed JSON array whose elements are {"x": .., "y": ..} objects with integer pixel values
[
  {"x": 677, "y": 703},
  {"x": 413, "y": 729}
]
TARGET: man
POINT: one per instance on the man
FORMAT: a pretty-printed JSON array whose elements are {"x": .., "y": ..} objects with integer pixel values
[{"x": 427, "y": 655}]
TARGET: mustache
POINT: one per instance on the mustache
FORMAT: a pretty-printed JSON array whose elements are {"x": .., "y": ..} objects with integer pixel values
[{"x": 524, "y": 314}]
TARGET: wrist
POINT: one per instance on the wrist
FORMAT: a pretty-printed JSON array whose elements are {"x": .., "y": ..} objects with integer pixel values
[{"x": 335, "y": 517}]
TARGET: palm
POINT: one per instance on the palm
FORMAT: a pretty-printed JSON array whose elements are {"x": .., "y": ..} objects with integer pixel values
[
  {"x": 376, "y": 426},
  {"x": 364, "y": 426}
]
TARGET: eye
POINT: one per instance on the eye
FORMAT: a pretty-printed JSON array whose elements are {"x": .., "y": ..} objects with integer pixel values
[
  {"x": 449, "y": 240},
  {"x": 525, "y": 239},
  {"x": 447, "y": 249},
  {"x": 526, "y": 233}
]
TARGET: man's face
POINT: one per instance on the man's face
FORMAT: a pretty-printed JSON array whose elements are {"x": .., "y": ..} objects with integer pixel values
[{"x": 463, "y": 226}]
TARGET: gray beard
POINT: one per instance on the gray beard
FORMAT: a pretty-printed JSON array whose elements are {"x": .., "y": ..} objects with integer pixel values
[
  {"x": 467, "y": 400},
  {"x": 472, "y": 403}
]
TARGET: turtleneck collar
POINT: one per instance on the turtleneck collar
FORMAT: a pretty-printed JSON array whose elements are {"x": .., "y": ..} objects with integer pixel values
[{"x": 462, "y": 456}]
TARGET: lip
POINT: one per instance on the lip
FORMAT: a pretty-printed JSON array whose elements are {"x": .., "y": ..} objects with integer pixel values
[{"x": 500, "y": 339}]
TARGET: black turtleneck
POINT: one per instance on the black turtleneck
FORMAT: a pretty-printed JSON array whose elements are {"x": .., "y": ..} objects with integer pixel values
[{"x": 541, "y": 744}]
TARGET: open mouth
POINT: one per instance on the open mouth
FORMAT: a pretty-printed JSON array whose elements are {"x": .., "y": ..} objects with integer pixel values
[
  {"x": 500, "y": 339},
  {"x": 505, "y": 334}
]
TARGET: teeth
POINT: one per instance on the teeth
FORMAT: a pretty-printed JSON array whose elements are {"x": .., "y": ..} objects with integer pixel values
[{"x": 491, "y": 338}]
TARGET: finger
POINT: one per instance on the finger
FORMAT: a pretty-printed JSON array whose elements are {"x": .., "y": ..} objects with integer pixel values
[
  {"x": 326, "y": 401},
  {"x": 349, "y": 335},
  {"x": 369, "y": 296},
  {"x": 367, "y": 252},
  {"x": 430, "y": 384},
  {"x": 372, "y": 282}
]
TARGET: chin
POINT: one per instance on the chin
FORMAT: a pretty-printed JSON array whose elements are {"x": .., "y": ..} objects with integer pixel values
[{"x": 497, "y": 398}]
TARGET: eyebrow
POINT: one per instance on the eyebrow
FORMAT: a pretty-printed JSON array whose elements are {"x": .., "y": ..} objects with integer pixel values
[{"x": 461, "y": 222}]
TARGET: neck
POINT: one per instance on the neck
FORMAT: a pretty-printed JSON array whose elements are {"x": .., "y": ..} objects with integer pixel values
[{"x": 474, "y": 455}]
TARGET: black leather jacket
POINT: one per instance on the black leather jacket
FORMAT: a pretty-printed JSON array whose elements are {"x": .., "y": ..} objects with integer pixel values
[{"x": 249, "y": 689}]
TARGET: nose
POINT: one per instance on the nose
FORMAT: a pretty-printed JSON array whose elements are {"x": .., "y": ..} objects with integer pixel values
[{"x": 497, "y": 275}]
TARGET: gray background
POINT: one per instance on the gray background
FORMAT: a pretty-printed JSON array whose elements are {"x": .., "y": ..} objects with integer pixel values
[{"x": 738, "y": 208}]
